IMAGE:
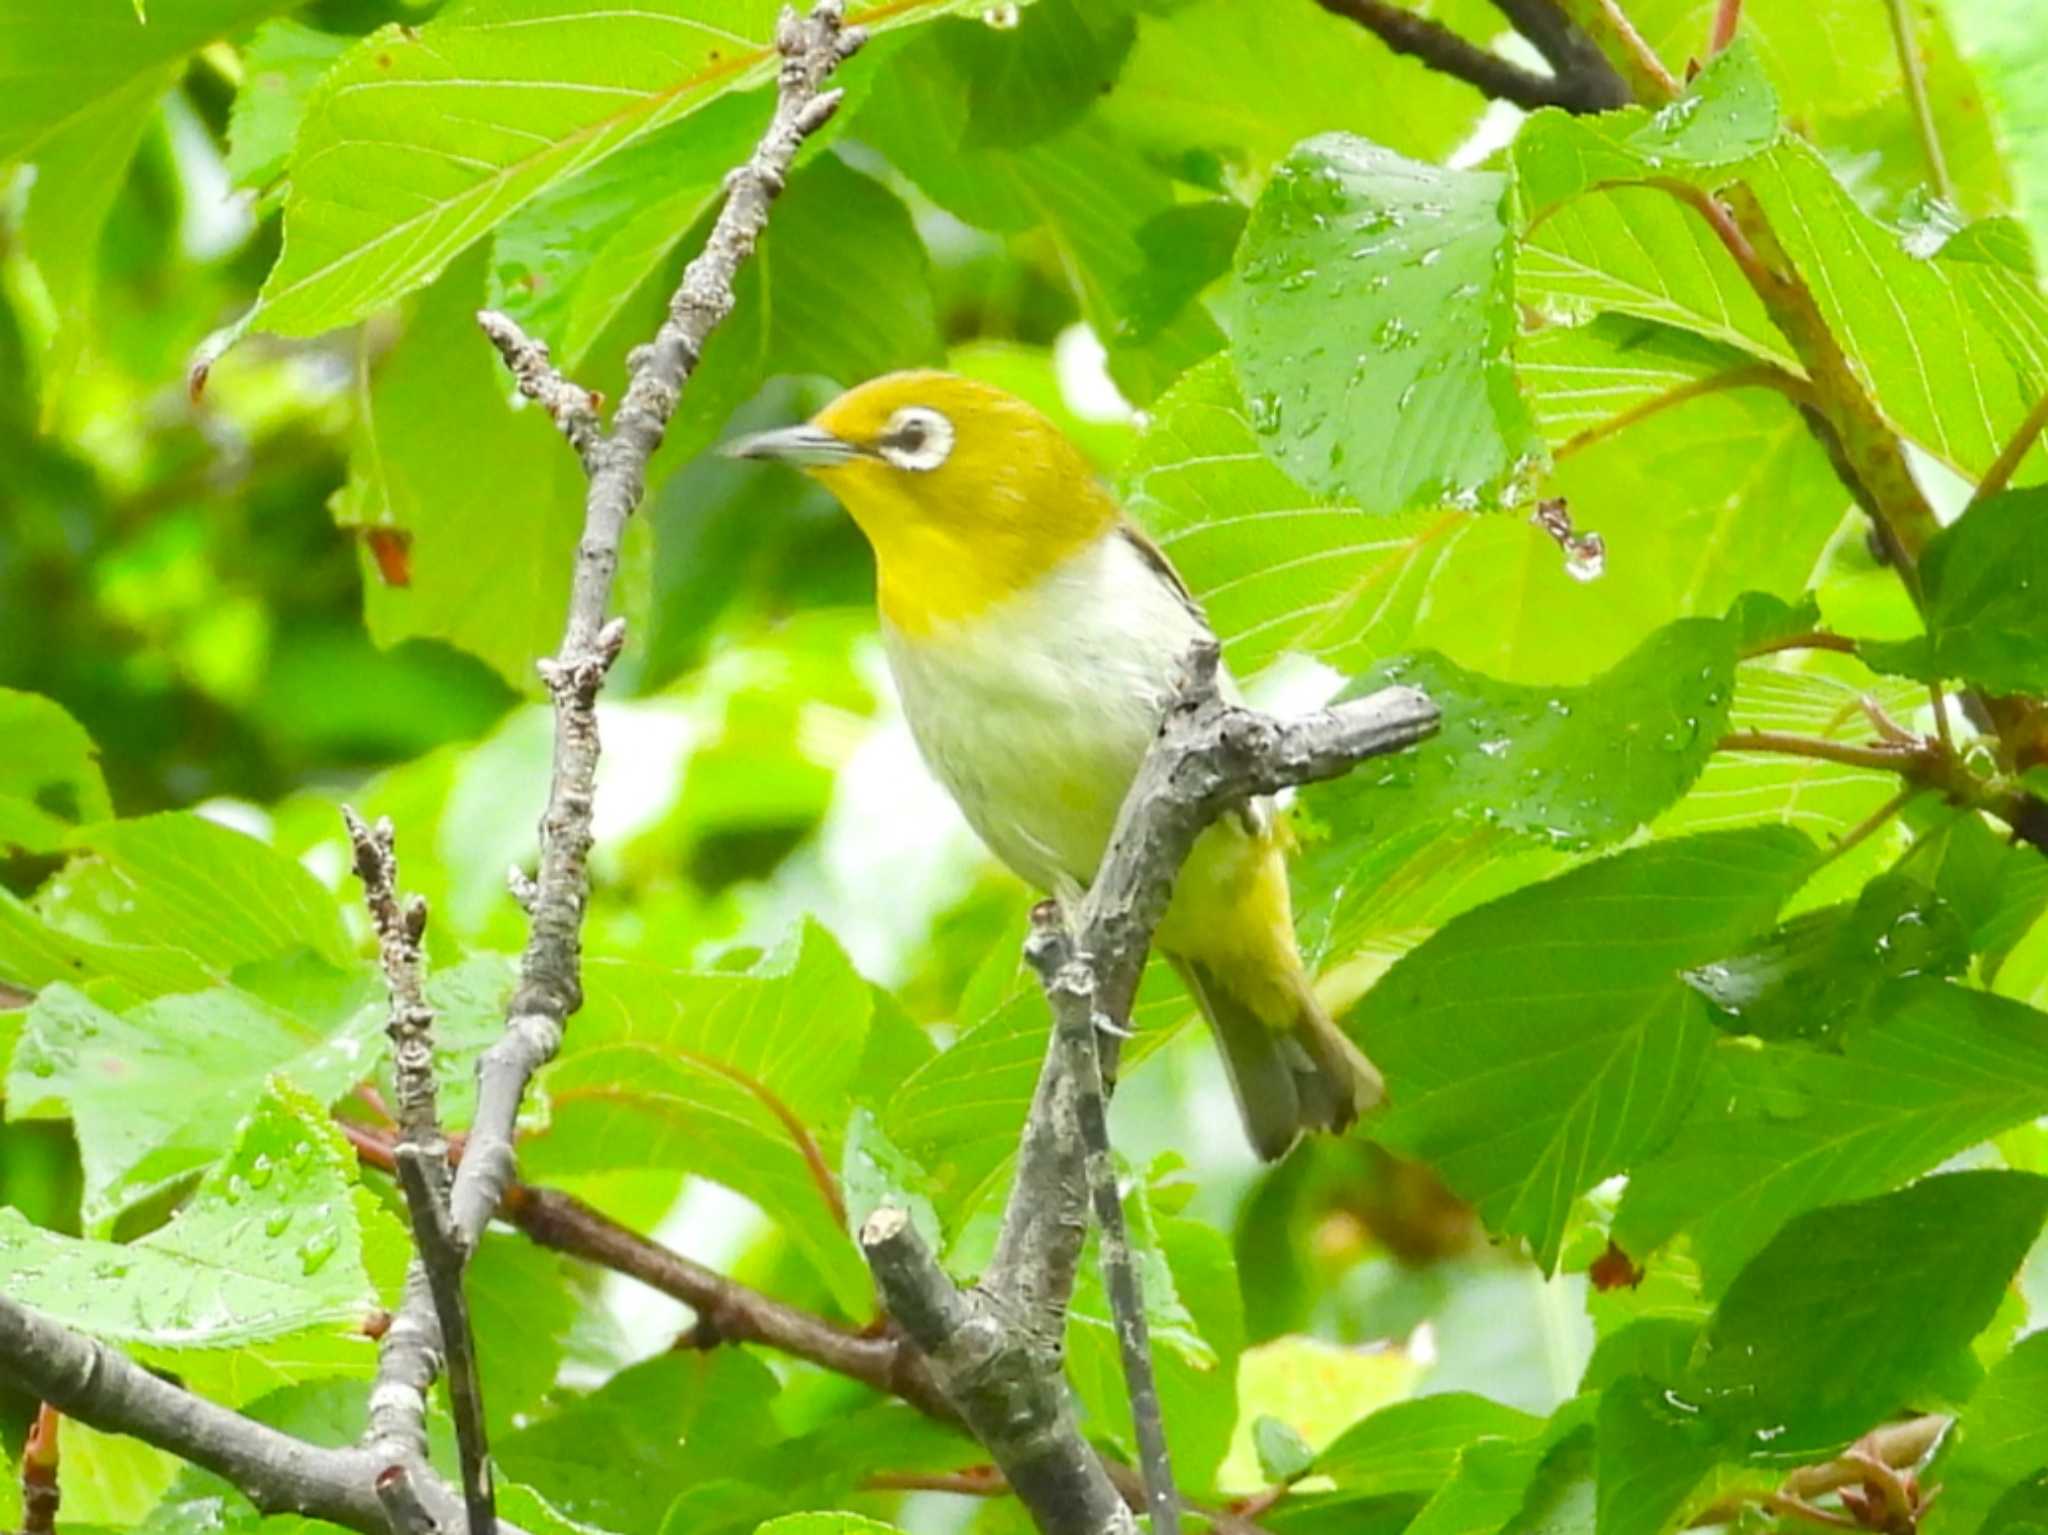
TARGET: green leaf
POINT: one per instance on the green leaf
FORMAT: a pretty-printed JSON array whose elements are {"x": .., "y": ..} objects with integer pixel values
[
  {"x": 1284, "y": 1456},
  {"x": 1275, "y": 567},
  {"x": 875, "y": 1172},
  {"x": 155, "y": 1095},
  {"x": 959, "y": 1115},
  {"x": 1636, "y": 250},
  {"x": 215, "y": 897},
  {"x": 1940, "y": 373},
  {"x": 1850, "y": 97},
  {"x": 423, "y": 138},
  {"x": 1822, "y": 799},
  {"x": 1086, "y": 189},
  {"x": 1725, "y": 494},
  {"x": 2006, "y": 56},
  {"x": 1374, "y": 304},
  {"x": 1898, "y": 1283},
  {"x": 50, "y": 777},
  {"x": 270, "y": 1245},
  {"x": 572, "y": 261},
  {"x": 522, "y": 1305},
  {"x": 1654, "y": 1448},
  {"x": 1492, "y": 1477},
  {"x": 1779, "y": 1130},
  {"x": 281, "y": 65},
  {"x": 1196, "y": 1320},
  {"x": 619, "y": 1456},
  {"x": 1817, "y": 974},
  {"x": 469, "y": 1002},
  {"x": 65, "y": 63},
  {"x": 1613, "y": 371},
  {"x": 839, "y": 288},
  {"x": 1317, "y": 1388},
  {"x": 1983, "y": 576},
  {"x": 824, "y": 1524},
  {"x": 1544, "y": 1042},
  {"x": 741, "y": 1077},
  {"x": 1414, "y": 1446},
  {"x": 1217, "y": 92},
  {"x": 1036, "y": 77},
  {"x": 1726, "y": 116},
  {"x": 1568, "y": 768},
  {"x": 1999, "y": 1439},
  {"x": 109, "y": 1480},
  {"x": 483, "y": 500},
  {"x": 534, "y": 1514},
  {"x": 80, "y": 169}
]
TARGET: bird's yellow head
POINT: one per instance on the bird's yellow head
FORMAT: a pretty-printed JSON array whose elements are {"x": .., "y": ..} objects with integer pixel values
[{"x": 966, "y": 493}]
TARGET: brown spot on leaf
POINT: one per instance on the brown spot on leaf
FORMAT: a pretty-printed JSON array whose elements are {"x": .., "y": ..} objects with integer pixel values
[
  {"x": 391, "y": 548},
  {"x": 1614, "y": 1270}
]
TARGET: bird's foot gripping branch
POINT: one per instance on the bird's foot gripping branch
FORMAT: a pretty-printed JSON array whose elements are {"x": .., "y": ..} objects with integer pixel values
[{"x": 995, "y": 1348}]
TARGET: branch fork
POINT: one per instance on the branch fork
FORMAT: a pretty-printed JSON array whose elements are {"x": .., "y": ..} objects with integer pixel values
[{"x": 995, "y": 1349}]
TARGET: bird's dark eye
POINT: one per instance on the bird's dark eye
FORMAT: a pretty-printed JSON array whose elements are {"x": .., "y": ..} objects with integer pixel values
[{"x": 917, "y": 439}]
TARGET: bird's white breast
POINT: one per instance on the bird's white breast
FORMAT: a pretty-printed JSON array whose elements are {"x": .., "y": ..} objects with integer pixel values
[{"x": 1035, "y": 713}]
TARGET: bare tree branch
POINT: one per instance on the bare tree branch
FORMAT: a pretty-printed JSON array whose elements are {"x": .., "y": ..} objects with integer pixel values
[
  {"x": 443, "y": 1256},
  {"x": 95, "y": 1384},
  {"x": 1443, "y": 50},
  {"x": 572, "y": 408},
  {"x": 995, "y": 1349},
  {"x": 398, "y": 1413},
  {"x": 1586, "y": 81},
  {"x": 385, "y": 1484},
  {"x": 550, "y": 972},
  {"x": 1067, "y": 978}
]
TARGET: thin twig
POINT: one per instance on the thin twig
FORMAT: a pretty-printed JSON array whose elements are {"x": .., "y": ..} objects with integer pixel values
[
  {"x": 1070, "y": 984},
  {"x": 1916, "y": 92},
  {"x": 974, "y": 1482},
  {"x": 1939, "y": 700},
  {"x": 1884, "y": 759},
  {"x": 1868, "y": 827},
  {"x": 94, "y": 1384},
  {"x": 1900, "y": 1446},
  {"x": 1751, "y": 376},
  {"x": 398, "y": 1413},
  {"x": 1639, "y": 61},
  {"x": 1727, "y": 17},
  {"x": 2002, "y": 469},
  {"x": 1586, "y": 81},
  {"x": 995, "y": 1349},
  {"x": 1816, "y": 639},
  {"x": 443, "y": 1256},
  {"x": 40, "y": 1494},
  {"x": 569, "y": 405},
  {"x": 1443, "y": 50},
  {"x": 730, "y": 1312},
  {"x": 550, "y": 979},
  {"x": 401, "y": 927}
]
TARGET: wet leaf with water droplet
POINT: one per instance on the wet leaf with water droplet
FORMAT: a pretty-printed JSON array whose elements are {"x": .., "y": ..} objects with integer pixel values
[{"x": 1435, "y": 317}]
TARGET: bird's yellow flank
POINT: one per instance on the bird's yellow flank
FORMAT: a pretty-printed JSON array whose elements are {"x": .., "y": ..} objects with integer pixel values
[{"x": 1036, "y": 638}]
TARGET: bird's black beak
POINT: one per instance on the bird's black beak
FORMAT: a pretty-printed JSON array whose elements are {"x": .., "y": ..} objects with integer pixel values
[{"x": 807, "y": 447}]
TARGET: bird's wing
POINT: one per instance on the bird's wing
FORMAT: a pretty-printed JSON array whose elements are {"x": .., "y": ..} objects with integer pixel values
[
  {"x": 1256, "y": 816},
  {"x": 1155, "y": 557}
]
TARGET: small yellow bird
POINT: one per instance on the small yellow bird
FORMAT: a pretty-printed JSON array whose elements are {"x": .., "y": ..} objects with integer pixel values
[{"x": 1036, "y": 638}]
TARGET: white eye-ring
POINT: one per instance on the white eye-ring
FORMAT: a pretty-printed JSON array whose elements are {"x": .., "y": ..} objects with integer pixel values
[{"x": 917, "y": 438}]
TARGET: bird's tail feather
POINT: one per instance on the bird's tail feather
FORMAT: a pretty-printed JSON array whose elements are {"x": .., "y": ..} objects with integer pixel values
[{"x": 1302, "y": 1075}]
